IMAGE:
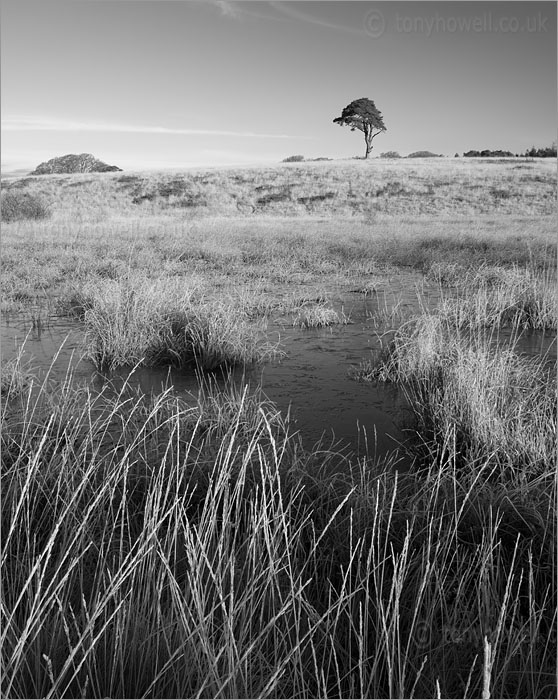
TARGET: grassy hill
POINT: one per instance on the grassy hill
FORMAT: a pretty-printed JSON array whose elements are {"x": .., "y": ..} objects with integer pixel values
[{"x": 364, "y": 189}]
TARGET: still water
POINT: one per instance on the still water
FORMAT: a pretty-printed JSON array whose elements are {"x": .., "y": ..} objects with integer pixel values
[{"x": 311, "y": 381}]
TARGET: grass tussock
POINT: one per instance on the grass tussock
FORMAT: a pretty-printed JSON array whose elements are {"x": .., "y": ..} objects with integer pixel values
[
  {"x": 153, "y": 548},
  {"x": 391, "y": 311},
  {"x": 318, "y": 316},
  {"x": 471, "y": 398},
  {"x": 373, "y": 285},
  {"x": 166, "y": 324},
  {"x": 498, "y": 297},
  {"x": 16, "y": 205}
]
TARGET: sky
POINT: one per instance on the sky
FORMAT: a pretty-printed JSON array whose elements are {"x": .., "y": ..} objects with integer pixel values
[{"x": 157, "y": 84}]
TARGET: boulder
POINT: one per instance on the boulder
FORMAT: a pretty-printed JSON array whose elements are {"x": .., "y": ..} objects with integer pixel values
[{"x": 72, "y": 163}]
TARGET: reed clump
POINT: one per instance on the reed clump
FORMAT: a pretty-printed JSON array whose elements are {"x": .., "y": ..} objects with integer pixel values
[
  {"x": 318, "y": 316},
  {"x": 153, "y": 547},
  {"x": 166, "y": 323},
  {"x": 473, "y": 397},
  {"x": 491, "y": 296}
]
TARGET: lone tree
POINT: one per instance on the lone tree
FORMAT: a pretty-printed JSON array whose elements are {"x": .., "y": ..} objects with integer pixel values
[{"x": 362, "y": 114}]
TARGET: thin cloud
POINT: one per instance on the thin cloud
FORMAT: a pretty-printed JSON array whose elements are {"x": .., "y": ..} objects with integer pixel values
[
  {"x": 233, "y": 9},
  {"x": 227, "y": 8},
  {"x": 40, "y": 124},
  {"x": 288, "y": 10}
]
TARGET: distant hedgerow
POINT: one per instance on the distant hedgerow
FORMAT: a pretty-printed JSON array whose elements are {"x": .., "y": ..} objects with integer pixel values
[
  {"x": 548, "y": 152},
  {"x": 293, "y": 159},
  {"x": 486, "y": 153},
  {"x": 17, "y": 206}
]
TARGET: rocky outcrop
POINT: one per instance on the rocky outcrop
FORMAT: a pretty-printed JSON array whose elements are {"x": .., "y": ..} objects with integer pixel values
[{"x": 72, "y": 163}]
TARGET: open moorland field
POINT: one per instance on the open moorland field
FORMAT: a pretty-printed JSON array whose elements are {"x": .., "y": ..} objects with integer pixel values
[{"x": 155, "y": 548}]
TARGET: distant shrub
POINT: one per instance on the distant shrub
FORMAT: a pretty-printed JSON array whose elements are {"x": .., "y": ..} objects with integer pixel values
[
  {"x": 424, "y": 154},
  {"x": 390, "y": 154},
  {"x": 293, "y": 159},
  {"x": 497, "y": 154},
  {"x": 488, "y": 154},
  {"x": 548, "y": 152},
  {"x": 456, "y": 155},
  {"x": 321, "y": 158},
  {"x": 17, "y": 206}
]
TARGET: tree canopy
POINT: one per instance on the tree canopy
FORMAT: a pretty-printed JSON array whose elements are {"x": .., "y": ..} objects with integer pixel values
[{"x": 362, "y": 114}]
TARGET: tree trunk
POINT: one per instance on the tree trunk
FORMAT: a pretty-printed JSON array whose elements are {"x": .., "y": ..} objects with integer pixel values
[{"x": 368, "y": 139}]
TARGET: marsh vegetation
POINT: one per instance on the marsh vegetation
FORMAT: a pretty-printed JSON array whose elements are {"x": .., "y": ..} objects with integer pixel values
[{"x": 154, "y": 546}]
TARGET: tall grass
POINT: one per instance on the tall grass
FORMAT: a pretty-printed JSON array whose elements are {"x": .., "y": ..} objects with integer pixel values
[
  {"x": 15, "y": 377},
  {"x": 339, "y": 188},
  {"x": 471, "y": 397},
  {"x": 318, "y": 316},
  {"x": 153, "y": 548},
  {"x": 164, "y": 547},
  {"x": 167, "y": 323},
  {"x": 497, "y": 297},
  {"x": 55, "y": 259},
  {"x": 20, "y": 206}
]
